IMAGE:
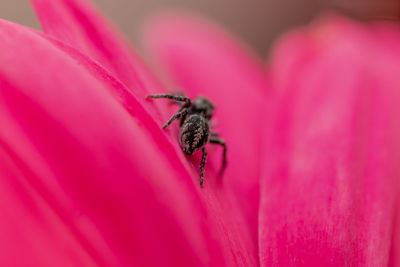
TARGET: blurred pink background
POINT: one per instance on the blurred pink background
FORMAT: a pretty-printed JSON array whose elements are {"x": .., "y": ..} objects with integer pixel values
[{"x": 259, "y": 22}]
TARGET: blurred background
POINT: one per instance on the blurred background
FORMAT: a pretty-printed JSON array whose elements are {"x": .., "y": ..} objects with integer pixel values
[{"x": 258, "y": 22}]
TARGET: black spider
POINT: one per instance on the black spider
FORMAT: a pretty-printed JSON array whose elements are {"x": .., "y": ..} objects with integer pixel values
[{"x": 195, "y": 132}]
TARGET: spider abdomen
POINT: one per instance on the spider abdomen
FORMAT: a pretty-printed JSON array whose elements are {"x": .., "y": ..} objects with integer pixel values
[{"x": 194, "y": 133}]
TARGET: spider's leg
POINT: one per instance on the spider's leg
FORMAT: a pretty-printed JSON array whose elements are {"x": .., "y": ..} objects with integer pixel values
[
  {"x": 214, "y": 139},
  {"x": 214, "y": 135},
  {"x": 202, "y": 164},
  {"x": 172, "y": 97},
  {"x": 182, "y": 112},
  {"x": 174, "y": 102}
]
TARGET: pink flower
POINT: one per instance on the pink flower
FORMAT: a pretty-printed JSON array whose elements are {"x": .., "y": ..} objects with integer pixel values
[{"x": 89, "y": 178}]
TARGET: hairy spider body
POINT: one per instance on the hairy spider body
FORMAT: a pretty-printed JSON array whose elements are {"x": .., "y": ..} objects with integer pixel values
[{"x": 195, "y": 131}]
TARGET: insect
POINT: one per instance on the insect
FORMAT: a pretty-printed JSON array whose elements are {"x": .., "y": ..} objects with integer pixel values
[{"x": 195, "y": 132}]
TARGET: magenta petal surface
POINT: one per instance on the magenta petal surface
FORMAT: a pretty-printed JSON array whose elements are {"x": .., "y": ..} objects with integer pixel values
[
  {"x": 330, "y": 177},
  {"x": 83, "y": 182},
  {"x": 77, "y": 23},
  {"x": 81, "y": 169},
  {"x": 205, "y": 60}
]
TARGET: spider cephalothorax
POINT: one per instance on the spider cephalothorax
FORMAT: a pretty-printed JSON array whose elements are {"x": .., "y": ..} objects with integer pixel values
[{"x": 195, "y": 131}]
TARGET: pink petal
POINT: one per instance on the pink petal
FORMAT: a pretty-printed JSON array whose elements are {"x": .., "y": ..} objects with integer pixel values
[
  {"x": 232, "y": 232},
  {"x": 77, "y": 19},
  {"x": 78, "y": 24},
  {"x": 329, "y": 190},
  {"x": 205, "y": 60},
  {"x": 84, "y": 182},
  {"x": 79, "y": 144}
]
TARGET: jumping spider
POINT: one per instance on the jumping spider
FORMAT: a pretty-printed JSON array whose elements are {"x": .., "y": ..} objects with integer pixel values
[{"x": 195, "y": 132}]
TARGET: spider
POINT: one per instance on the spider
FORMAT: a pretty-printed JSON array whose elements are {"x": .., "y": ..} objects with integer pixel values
[{"x": 195, "y": 117}]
